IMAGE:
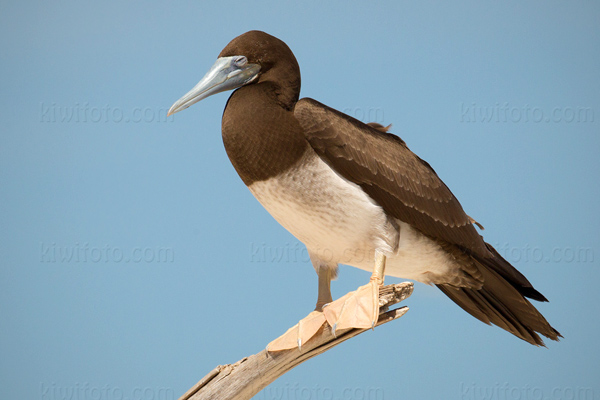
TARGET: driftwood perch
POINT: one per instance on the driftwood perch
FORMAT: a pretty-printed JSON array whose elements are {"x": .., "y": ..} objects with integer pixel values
[{"x": 248, "y": 376}]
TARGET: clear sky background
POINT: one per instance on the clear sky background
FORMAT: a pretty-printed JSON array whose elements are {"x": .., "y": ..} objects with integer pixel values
[{"x": 133, "y": 260}]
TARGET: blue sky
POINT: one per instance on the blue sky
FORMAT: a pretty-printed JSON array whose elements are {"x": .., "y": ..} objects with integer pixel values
[{"x": 134, "y": 260}]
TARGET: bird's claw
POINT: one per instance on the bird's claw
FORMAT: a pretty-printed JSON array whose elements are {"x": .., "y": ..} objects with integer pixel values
[{"x": 299, "y": 334}]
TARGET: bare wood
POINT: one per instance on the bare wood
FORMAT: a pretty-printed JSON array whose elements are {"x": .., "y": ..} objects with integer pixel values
[{"x": 248, "y": 376}]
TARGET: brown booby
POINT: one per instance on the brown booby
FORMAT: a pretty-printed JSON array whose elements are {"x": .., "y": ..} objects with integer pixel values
[{"x": 354, "y": 194}]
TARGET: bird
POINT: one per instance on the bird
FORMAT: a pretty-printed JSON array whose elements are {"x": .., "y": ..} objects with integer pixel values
[{"x": 354, "y": 194}]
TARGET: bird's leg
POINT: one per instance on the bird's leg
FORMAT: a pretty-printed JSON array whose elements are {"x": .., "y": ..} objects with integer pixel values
[
  {"x": 358, "y": 309},
  {"x": 379, "y": 270},
  {"x": 324, "y": 296},
  {"x": 307, "y": 327}
]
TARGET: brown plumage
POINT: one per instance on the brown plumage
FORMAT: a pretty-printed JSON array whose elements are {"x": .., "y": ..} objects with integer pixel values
[
  {"x": 268, "y": 133},
  {"x": 410, "y": 190}
]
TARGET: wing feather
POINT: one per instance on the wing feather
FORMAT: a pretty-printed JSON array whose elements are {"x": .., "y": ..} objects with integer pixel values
[{"x": 405, "y": 186}]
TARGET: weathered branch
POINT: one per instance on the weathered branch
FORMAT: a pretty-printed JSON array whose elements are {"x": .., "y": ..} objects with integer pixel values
[{"x": 250, "y": 375}]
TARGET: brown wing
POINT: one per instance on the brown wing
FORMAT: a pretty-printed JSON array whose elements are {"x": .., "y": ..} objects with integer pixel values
[{"x": 405, "y": 186}]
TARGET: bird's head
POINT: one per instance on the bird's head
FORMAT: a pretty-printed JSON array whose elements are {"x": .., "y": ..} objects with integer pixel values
[{"x": 250, "y": 58}]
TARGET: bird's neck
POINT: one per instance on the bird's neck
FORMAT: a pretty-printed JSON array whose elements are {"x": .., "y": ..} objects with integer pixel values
[
  {"x": 282, "y": 83},
  {"x": 261, "y": 136}
]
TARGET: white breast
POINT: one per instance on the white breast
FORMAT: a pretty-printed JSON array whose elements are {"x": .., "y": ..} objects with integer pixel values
[{"x": 339, "y": 223}]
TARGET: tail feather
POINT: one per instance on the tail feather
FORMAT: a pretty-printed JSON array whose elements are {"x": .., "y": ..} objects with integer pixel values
[
  {"x": 501, "y": 301},
  {"x": 511, "y": 274}
]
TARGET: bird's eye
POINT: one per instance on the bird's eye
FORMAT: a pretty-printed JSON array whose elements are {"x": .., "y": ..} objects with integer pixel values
[{"x": 240, "y": 61}]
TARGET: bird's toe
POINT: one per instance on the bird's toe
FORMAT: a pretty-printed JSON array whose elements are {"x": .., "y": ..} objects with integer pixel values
[
  {"x": 299, "y": 334},
  {"x": 357, "y": 309}
]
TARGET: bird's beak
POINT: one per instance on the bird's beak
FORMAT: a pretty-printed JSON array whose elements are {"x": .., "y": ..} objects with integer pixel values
[{"x": 227, "y": 73}]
